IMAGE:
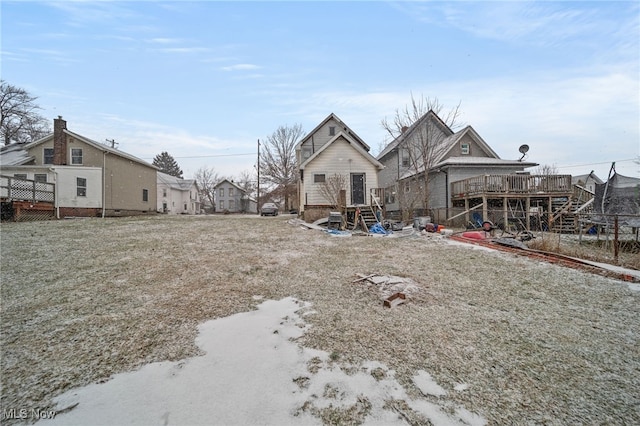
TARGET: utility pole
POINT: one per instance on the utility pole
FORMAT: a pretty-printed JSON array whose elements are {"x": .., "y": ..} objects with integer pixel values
[{"x": 258, "y": 200}]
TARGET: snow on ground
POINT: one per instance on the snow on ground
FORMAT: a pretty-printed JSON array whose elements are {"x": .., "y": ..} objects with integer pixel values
[{"x": 254, "y": 372}]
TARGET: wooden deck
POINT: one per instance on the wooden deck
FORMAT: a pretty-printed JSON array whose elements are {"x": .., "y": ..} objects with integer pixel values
[{"x": 512, "y": 185}]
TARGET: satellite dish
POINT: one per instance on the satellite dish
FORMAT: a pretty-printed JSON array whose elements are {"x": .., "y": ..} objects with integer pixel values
[{"x": 523, "y": 150}]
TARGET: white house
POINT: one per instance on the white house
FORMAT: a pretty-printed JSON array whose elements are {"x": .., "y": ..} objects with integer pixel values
[
  {"x": 332, "y": 148},
  {"x": 232, "y": 198},
  {"x": 177, "y": 196}
]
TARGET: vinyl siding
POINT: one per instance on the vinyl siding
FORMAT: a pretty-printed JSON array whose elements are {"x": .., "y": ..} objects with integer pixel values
[{"x": 339, "y": 158}]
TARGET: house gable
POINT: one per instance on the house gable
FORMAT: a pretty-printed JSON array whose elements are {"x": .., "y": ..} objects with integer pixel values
[{"x": 323, "y": 134}]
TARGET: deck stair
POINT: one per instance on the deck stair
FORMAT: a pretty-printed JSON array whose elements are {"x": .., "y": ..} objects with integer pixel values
[{"x": 566, "y": 212}]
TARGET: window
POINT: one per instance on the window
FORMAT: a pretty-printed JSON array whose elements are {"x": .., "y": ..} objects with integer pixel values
[
  {"x": 222, "y": 192},
  {"x": 47, "y": 158},
  {"x": 164, "y": 192},
  {"x": 145, "y": 195},
  {"x": 232, "y": 205},
  {"x": 185, "y": 206},
  {"x": 332, "y": 130},
  {"x": 230, "y": 192},
  {"x": 20, "y": 176},
  {"x": 81, "y": 187},
  {"x": 221, "y": 205},
  {"x": 405, "y": 158},
  {"x": 306, "y": 153},
  {"x": 40, "y": 177},
  {"x": 320, "y": 178},
  {"x": 76, "y": 155},
  {"x": 465, "y": 149},
  {"x": 390, "y": 195}
]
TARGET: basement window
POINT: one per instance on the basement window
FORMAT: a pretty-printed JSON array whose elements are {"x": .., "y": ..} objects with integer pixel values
[
  {"x": 465, "y": 149},
  {"x": 40, "y": 177},
  {"x": 319, "y": 178},
  {"x": 81, "y": 187}
]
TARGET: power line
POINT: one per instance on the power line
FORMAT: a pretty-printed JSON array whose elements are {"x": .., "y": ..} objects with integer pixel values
[
  {"x": 214, "y": 155},
  {"x": 596, "y": 164}
]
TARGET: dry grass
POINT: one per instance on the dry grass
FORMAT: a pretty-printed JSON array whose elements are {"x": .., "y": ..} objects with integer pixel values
[{"x": 536, "y": 343}]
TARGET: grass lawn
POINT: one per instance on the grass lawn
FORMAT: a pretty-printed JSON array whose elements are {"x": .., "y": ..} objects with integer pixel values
[{"x": 536, "y": 343}]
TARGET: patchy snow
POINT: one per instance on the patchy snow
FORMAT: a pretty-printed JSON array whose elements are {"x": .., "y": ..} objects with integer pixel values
[
  {"x": 254, "y": 372},
  {"x": 427, "y": 385}
]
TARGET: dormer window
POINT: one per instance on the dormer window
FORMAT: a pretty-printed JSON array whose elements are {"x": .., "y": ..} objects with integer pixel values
[{"x": 465, "y": 149}]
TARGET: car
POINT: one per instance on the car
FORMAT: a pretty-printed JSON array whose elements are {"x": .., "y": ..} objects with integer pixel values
[{"x": 269, "y": 209}]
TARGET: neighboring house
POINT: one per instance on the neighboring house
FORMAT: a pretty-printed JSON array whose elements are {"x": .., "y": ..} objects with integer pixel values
[
  {"x": 332, "y": 148},
  {"x": 177, "y": 196},
  {"x": 233, "y": 199},
  {"x": 453, "y": 156},
  {"x": 91, "y": 179},
  {"x": 588, "y": 181}
]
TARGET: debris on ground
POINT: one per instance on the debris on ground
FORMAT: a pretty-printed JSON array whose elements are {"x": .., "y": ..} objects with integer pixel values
[{"x": 391, "y": 289}]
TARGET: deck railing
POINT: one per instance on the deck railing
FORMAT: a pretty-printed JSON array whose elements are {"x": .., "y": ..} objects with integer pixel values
[
  {"x": 511, "y": 184},
  {"x": 18, "y": 189}
]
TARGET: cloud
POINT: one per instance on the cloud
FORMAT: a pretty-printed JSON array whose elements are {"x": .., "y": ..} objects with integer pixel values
[{"x": 241, "y": 67}]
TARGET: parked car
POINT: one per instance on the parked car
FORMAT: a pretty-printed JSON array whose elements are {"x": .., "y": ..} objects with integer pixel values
[{"x": 269, "y": 209}]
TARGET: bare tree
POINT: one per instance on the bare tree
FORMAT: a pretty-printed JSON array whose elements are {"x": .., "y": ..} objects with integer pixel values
[
  {"x": 247, "y": 181},
  {"x": 19, "y": 120},
  {"x": 330, "y": 189},
  {"x": 421, "y": 129},
  {"x": 207, "y": 179},
  {"x": 278, "y": 162},
  {"x": 546, "y": 170}
]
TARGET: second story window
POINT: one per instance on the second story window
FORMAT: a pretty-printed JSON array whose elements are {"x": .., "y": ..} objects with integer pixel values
[
  {"x": 47, "y": 157},
  {"x": 230, "y": 192},
  {"x": 222, "y": 192},
  {"x": 332, "y": 130},
  {"x": 405, "y": 157},
  {"x": 465, "y": 149},
  {"x": 76, "y": 156}
]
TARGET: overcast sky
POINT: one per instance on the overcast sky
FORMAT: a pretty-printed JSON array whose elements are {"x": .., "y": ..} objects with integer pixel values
[{"x": 205, "y": 80}]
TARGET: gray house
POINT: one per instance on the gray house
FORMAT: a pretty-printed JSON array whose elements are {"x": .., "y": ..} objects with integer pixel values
[
  {"x": 232, "y": 198},
  {"x": 427, "y": 157}
]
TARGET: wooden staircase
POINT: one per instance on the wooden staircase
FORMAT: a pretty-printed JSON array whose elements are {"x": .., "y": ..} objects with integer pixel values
[{"x": 566, "y": 213}]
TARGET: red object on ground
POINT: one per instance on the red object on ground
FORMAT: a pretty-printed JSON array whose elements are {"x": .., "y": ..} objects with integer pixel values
[{"x": 475, "y": 235}]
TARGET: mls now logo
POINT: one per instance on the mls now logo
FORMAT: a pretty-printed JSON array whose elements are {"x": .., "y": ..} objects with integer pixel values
[{"x": 23, "y": 413}]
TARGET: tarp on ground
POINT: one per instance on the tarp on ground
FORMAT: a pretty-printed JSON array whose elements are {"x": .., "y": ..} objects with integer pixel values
[{"x": 620, "y": 195}]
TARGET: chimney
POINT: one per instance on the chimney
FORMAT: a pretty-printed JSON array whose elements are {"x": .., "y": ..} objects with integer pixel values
[
  {"x": 404, "y": 129},
  {"x": 59, "y": 142}
]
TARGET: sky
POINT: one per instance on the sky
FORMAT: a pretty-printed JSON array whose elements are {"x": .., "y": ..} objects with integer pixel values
[{"x": 205, "y": 80}]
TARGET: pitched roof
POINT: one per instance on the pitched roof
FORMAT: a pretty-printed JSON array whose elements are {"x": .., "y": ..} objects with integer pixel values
[
  {"x": 176, "y": 182},
  {"x": 97, "y": 145},
  {"x": 429, "y": 115},
  {"x": 14, "y": 155},
  {"x": 351, "y": 141},
  {"x": 346, "y": 129},
  {"x": 584, "y": 178},
  {"x": 473, "y": 162}
]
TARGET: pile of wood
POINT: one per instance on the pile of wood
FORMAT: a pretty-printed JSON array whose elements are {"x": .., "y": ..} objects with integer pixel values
[{"x": 392, "y": 290}]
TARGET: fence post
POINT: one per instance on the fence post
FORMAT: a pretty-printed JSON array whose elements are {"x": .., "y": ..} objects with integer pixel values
[{"x": 616, "y": 241}]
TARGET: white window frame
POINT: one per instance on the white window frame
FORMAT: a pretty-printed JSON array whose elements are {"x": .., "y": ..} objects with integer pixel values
[
  {"x": 76, "y": 156},
  {"x": 465, "y": 149},
  {"x": 81, "y": 186}
]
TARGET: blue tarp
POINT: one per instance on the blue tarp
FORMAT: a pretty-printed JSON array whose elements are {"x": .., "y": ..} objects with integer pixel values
[{"x": 377, "y": 229}]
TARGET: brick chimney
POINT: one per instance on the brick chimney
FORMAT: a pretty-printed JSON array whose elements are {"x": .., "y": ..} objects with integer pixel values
[{"x": 59, "y": 142}]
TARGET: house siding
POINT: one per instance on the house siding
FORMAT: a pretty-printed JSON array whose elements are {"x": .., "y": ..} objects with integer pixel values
[
  {"x": 342, "y": 159},
  {"x": 124, "y": 181},
  {"x": 318, "y": 139},
  {"x": 236, "y": 203}
]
